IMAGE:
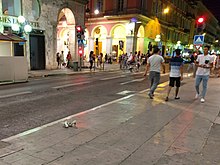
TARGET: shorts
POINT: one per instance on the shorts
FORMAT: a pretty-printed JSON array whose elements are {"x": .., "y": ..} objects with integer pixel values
[{"x": 173, "y": 80}]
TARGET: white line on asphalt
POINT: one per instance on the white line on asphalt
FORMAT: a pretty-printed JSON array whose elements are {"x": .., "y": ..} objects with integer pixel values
[
  {"x": 136, "y": 73},
  {"x": 15, "y": 94},
  {"x": 69, "y": 117},
  {"x": 69, "y": 85},
  {"x": 125, "y": 92},
  {"x": 135, "y": 80},
  {"x": 110, "y": 78},
  {"x": 64, "y": 119}
]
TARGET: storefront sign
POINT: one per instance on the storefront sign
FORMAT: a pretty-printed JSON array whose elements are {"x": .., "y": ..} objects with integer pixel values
[{"x": 9, "y": 20}]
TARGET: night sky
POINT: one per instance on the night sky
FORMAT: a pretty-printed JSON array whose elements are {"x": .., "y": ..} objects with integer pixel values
[{"x": 214, "y": 7}]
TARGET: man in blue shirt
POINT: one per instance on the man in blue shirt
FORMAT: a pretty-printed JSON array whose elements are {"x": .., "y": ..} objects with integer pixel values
[{"x": 176, "y": 74}]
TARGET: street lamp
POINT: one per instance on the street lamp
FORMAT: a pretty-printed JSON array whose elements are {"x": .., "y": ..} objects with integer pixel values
[
  {"x": 131, "y": 27},
  {"x": 22, "y": 26},
  {"x": 166, "y": 10},
  {"x": 96, "y": 11},
  {"x": 158, "y": 38}
]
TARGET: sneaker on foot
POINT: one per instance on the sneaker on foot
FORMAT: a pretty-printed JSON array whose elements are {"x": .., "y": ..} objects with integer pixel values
[
  {"x": 150, "y": 96},
  {"x": 177, "y": 97},
  {"x": 166, "y": 99},
  {"x": 197, "y": 96},
  {"x": 202, "y": 100}
]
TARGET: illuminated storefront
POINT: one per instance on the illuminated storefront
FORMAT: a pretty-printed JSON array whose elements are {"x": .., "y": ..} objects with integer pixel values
[{"x": 52, "y": 29}]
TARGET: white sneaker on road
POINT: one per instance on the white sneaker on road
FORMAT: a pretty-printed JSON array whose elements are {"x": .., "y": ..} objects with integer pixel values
[{"x": 202, "y": 100}]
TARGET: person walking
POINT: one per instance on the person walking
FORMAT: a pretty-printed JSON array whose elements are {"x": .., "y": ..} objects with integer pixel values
[
  {"x": 68, "y": 59},
  {"x": 191, "y": 64},
  {"x": 58, "y": 60},
  {"x": 154, "y": 63},
  {"x": 62, "y": 59},
  {"x": 176, "y": 74},
  {"x": 217, "y": 66},
  {"x": 91, "y": 58},
  {"x": 204, "y": 63}
]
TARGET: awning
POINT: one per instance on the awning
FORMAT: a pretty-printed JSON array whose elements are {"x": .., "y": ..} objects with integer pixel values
[{"x": 11, "y": 37}]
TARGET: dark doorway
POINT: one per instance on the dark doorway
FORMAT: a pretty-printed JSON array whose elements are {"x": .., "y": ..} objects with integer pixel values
[{"x": 37, "y": 52}]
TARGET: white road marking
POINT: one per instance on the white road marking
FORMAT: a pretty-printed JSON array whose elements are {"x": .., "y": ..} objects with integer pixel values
[
  {"x": 125, "y": 92},
  {"x": 15, "y": 94},
  {"x": 135, "y": 80},
  {"x": 136, "y": 73},
  {"x": 69, "y": 117},
  {"x": 110, "y": 78},
  {"x": 64, "y": 119},
  {"x": 69, "y": 85}
]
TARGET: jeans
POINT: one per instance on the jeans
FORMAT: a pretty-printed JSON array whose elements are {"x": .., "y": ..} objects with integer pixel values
[
  {"x": 204, "y": 79},
  {"x": 154, "y": 79}
]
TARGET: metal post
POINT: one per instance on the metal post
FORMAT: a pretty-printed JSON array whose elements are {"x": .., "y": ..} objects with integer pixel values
[
  {"x": 80, "y": 63},
  {"x": 103, "y": 65}
]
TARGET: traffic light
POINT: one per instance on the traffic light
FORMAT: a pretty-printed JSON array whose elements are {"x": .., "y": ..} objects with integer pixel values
[
  {"x": 200, "y": 24},
  {"x": 96, "y": 41},
  {"x": 200, "y": 20},
  {"x": 80, "y": 50},
  {"x": 79, "y": 32}
]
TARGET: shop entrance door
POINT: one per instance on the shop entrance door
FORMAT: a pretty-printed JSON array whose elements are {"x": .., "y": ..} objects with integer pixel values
[{"x": 37, "y": 52}]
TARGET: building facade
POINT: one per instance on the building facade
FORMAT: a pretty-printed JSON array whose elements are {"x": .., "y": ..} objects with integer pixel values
[
  {"x": 135, "y": 24},
  {"x": 53, "y": 28},
  {"x": 211, "y": 26}
]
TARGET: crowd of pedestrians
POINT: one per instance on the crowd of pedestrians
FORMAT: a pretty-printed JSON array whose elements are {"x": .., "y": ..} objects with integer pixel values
[
  {"x": 203, "y": 64},
  {"x": 60, "y": 60}
]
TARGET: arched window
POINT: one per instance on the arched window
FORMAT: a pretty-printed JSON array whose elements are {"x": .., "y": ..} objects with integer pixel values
[
  {"x": 36, "y": 10},
  {"x": 11, "y": 7}
]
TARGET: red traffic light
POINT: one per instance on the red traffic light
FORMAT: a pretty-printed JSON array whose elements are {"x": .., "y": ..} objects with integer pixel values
[
  {"x": 78, "y": 28},
  {"x": 80, "y": 50},
  {"x": 200, "y": 20}
]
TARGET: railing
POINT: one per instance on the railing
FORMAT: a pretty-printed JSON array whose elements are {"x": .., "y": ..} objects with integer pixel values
[{"x": 126, "y": 11}]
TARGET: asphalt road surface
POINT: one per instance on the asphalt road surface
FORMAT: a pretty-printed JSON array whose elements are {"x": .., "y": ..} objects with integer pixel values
[{"x": 43, "y": 100}]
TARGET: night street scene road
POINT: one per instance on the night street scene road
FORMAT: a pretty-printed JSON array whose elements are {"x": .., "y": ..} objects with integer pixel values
[{"x": 109, "y": 82}]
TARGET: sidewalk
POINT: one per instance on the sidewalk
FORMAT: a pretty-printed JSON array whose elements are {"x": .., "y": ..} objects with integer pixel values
[
  {"x": 128, "y": 131},
  {"x": 70, "y": 71},
  {"x": 67, "y": 71}
]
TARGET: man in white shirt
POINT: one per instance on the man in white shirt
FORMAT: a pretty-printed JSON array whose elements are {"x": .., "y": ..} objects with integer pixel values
[
  {"x": 154, "y": 62},
  {"x": 204, "y": 63}
]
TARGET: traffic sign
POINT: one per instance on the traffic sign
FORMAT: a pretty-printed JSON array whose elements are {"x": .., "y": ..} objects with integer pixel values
[
  {"x": 197, "y": 46},
  {"x": 160, "y": 44},
  {"x": 198, "y": 40}
]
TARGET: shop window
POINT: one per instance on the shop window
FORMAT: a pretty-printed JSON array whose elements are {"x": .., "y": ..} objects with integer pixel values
[
  {"x": 120, "y": 5},
  {"x": 100, "y": 5},
  {"x": 36, "y": 10},
  {"x": 154, "y": 7},
  {"x": 11, "y": 7}
]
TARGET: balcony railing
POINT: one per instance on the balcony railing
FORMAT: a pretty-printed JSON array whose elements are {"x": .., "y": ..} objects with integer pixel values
[
  {"x": 190, "y": 15},
  {"x": 126, "y": 11}
]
